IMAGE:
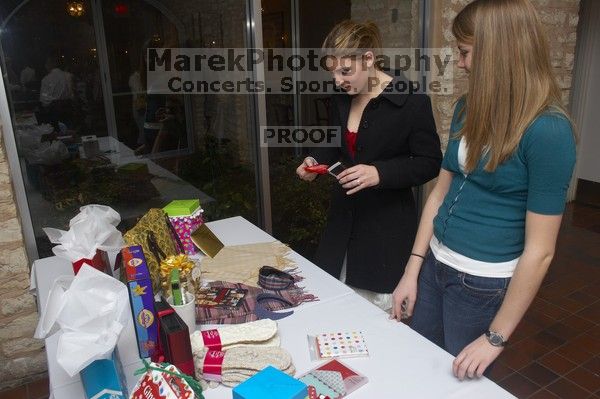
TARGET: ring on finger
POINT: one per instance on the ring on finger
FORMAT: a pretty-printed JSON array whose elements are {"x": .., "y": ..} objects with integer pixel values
[{"x": 358, "y": 182}]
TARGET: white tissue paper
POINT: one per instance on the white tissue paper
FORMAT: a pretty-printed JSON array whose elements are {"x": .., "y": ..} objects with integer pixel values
[
  {"x": 91, "y": 314},
  {"x": 93, "y": 228}
]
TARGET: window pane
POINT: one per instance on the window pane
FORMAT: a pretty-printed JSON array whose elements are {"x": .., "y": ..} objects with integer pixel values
[{"x": 142, "y": 150}]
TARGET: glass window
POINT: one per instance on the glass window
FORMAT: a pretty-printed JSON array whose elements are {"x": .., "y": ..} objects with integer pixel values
[{"x": 86, "y": 129}]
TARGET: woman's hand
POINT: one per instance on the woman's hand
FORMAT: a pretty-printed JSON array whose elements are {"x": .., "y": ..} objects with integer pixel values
[
  {"x": 403, "y": 298},
  {"x": 302, "y": 173},
  {"x": 472, "y": 361},
  {"x": 358, "y": 177}
]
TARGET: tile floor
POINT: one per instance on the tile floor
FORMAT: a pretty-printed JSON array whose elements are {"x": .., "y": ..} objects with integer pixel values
[{"x": 555, "y": 351}]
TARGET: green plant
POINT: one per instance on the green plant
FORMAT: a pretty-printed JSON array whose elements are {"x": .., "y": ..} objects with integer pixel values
[
  {"x": 217, "y": 172},
  {"x": 299, "y": 208}
]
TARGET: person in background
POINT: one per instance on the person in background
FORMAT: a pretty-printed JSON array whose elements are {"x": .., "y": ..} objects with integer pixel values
[
  {"x": 27, "y": 76},
  {"x": 56, "y": 95},
  {"x": 56, "y": 85},
  {"x": 389, "y": 145},
  {"x": 137, "y": 85},
  {"x": 489, "y": 228}
]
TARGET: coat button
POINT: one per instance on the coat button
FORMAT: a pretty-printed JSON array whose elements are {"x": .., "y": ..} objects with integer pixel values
[{"x": 365, "y": 124}]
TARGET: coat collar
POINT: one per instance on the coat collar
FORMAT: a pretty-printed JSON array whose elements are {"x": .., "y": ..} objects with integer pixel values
[{"x": 391, "y": 93}]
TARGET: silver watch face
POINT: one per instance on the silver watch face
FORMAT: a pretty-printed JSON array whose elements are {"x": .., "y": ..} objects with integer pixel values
[{"x": 495, "y": 339}]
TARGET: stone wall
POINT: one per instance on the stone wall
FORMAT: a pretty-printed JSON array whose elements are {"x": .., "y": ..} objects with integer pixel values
[
  {"x": 21, "y": 357},
  {"x": 397, "y": 20},
  {"x": 559, "y": 17}
]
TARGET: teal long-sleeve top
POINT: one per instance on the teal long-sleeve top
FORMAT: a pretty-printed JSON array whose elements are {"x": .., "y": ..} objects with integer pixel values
[{"x": 483, "y": 214}]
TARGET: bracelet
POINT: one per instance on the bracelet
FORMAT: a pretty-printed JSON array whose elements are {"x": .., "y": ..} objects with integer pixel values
[{"x": 417, "y": 255}]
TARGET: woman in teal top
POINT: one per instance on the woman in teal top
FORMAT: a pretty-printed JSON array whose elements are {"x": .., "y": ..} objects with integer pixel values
[{"x": 488, "y": 230}]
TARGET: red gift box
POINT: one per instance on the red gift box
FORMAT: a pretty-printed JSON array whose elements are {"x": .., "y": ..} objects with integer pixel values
[{"x": 99, "y": 261}]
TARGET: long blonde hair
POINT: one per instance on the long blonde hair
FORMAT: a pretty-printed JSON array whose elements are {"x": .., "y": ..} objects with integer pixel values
[
  {"x": 511, "y": 80},
  {"x": 351, "y": 39}
]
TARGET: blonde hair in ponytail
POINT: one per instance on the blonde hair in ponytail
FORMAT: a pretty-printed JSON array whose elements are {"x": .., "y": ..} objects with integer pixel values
[
  {"x": 351, "y": 39},
  {"x": 511, "y": 80}
]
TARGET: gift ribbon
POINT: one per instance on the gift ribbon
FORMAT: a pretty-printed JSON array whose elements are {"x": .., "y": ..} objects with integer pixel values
[
  {"x": 180, "y": 247},
  {"x": 154, "y": 247},
  {"x": 212, "y": 369},
  {"x": 212, "y": 339},
  {"x": 193, "y": 384},
  {"x": 273, "y": 279},
  {"x": 180, "y": 262}
]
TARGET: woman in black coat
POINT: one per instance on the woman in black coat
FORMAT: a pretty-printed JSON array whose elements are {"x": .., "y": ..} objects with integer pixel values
[{"x": 389, "y": 145}]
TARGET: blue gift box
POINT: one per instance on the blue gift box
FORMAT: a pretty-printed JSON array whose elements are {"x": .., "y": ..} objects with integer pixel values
[
  {"x": 270, "y": 383},
  {"x": 104, "y": 379}
]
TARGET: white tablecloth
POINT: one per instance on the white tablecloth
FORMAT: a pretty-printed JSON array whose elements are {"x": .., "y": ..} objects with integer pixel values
[{"x": 401, "y": 362}]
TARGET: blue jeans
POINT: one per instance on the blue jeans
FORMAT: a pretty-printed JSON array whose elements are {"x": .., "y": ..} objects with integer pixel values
[{"x": 454, "y": 308}]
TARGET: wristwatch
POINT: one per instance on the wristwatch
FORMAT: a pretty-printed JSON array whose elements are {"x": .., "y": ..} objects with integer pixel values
[{"x": 495, "y": 338}]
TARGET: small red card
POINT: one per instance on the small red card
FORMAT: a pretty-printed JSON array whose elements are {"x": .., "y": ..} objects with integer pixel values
[{"x": 319, "y": 169}]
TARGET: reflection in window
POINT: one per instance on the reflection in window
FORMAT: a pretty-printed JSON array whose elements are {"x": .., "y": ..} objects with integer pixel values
[{"x": 86, "y": 129}]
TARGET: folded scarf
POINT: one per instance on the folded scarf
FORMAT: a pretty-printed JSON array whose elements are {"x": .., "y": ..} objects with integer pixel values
[{"x": 255, "y": 304}]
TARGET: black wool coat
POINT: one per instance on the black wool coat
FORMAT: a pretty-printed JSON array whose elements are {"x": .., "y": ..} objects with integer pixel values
[{"x": 375, "y": 227}]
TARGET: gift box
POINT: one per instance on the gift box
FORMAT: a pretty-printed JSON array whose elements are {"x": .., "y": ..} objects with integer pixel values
[
  {"x": 163, "y": 381},
  {"x": 100, "y": 262},
  {"x": 185, "y": 217},
  {"x": 104, "y": 379},
  {"x": 270, "y": 383},
  {"x": 175, "y": 345},
  {"x": 92, "y": 235},
  {"x": 141, "y": 297}
]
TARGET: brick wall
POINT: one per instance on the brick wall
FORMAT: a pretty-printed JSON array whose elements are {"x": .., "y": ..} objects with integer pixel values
[
  {"x": 21, "y": 357},
  {"x": 397, "y": 20}
]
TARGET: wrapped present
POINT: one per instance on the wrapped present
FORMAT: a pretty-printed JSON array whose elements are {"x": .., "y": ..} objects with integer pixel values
[
  {"x": 92, "y": 313},
  {"x": 104, "y": 379},
  {"x": 271, "y": 383},
  {"x": 165, "y": 381},
  {"x": 186, "y": 217},
  {"x": 92, "y": 234},
  {"x": 154, "y": 234},
  {"x": 141, "y": 298}
]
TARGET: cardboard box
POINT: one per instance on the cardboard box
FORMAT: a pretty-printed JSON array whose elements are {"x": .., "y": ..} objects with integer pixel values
[
  {"x": 182, "y": 207},
  {"x": 104, "y": 379},
  {"x": 271, "y": 383},
  {"x": 141, "y": 298}
]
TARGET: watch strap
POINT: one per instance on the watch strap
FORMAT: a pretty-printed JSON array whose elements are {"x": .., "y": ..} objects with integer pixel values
[{"x": 489, "y": 334}]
